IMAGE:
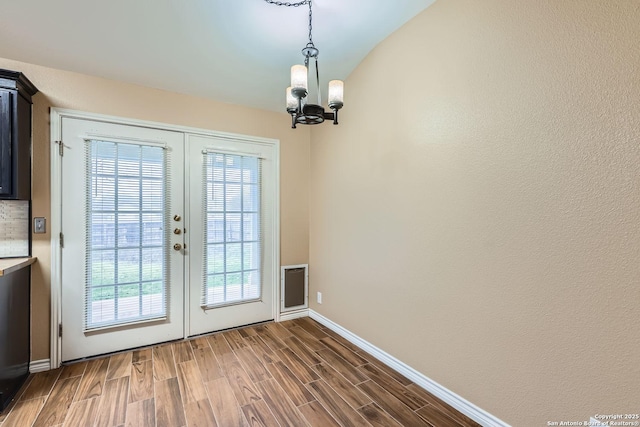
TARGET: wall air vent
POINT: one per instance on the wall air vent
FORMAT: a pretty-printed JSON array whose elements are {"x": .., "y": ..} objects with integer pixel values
[{"x": 294, "y": 292}]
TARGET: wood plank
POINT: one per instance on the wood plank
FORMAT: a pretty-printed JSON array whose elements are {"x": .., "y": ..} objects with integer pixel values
[
  {"x": 301, "y": 370},
  {"x": 119, "y": 365},
  {"x": 141, "y": 355},
  {"x": 303, "y": 352},
  {"x": 206, "y": 360},
  {"x": 311, "y": 327},
  {"x": 377, "y": 417},
  {"x": 113, "y": 405},
  {"x": 242, "y": 386},
  {"x": 82, "y": 413},
  {"x": 219, "y": 345},
  {"x": 344, "y": 388},
  {"x": 57, "y": 406},
  {"x": 182, "y": 352},
  {"x": 223, "y": 403},
  {"x": 316, "y": 415},
  {"x": 437, "y": 417},
  {"x": 168, "y": 403},
  {"x": 259, "y": 414},
  {"x": 400, "y": 392},
  {"x": 191, "y": 386},
  {"x": 296, "y": 391},
  {"x": 235, "y": 340},
  {"x": 348, "y": 355},
  {"x": 336, "y": 405},
  {"x": 200, "y": 414},
  {"x": 391, "y": 405},
  {"x": 444, "y": 407},
  {"x": 141, "y": 381},
  {"x": 24, "y": 413},
  {"x": 269, "y": 337},
  {"x": 163, "y": 365},
  {"x": 141, "y": 414},
  {"x": 342, "y": 366},
  {"x": 41, "y": 384},
  {"x": 252, "y": 364},
  {"x": 288, "y": 324},
  {"x": 386, "y": 369},
  {"x": 308, "y": 339},
  {"x": 72, "y": 370},
  {"x": 278, "y": 330},
  {"x": 342, "y": 340},
  {"x": 262, "y": 350},
  {"x": 93, "y": 380},
  {"x": 283, "y": 410},
  {"x": 247, "y": 332}
]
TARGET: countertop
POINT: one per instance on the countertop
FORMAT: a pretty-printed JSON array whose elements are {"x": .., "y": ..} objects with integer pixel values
[{"x": 9, "y": 265}]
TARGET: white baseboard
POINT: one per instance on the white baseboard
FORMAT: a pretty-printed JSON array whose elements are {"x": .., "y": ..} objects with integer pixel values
[
  {"x": 290, "y": 315},
  {"x": 39, "y": 366},
  {"x": 458, "y": 402}
]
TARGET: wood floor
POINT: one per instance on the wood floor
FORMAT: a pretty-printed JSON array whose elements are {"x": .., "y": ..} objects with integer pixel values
[{"x": 295, "y": 373}]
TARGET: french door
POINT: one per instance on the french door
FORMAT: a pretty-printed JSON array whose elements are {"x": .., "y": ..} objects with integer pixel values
[{"x": 165, "y": 234}]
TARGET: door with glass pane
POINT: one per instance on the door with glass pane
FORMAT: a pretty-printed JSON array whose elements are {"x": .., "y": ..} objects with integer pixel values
[
  {"x": 122, "y": 199},
  {"x": 231, "y": 233}
]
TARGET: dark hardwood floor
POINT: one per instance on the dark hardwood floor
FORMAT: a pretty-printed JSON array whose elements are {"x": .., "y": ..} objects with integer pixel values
[{"x": 294, "y": 373}]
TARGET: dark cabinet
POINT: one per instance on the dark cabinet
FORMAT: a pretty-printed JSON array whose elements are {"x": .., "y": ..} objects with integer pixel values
[
  {"x": 15, "y": 135},
  {"x": 14, "y": 333}
]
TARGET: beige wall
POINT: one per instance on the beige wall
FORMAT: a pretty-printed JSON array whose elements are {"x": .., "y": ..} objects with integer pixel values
[
  {"x": 86, "y": 93},
  {"x": 477, "y": 212}
]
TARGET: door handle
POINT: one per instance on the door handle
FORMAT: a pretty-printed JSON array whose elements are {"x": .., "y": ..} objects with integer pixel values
[{"x": 177, "y": 246}]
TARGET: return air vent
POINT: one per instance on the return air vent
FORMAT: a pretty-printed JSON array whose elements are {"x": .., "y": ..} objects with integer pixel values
[{"x": 294, "y": 293}]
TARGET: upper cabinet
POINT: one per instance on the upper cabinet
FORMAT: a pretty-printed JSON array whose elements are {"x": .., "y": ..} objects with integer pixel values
[{"x": 15, "y": 135}]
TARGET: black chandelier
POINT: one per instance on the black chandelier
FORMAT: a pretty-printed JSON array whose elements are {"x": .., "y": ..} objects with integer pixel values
[{"x": 303, "y": 112}]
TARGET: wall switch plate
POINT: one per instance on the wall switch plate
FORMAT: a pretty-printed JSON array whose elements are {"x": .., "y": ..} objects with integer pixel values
[
  {"x": 319, "y": 297},
  {"x": 39, "y": 225}
]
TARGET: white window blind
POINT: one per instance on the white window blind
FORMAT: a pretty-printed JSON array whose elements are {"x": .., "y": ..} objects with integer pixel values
[
  {"x": 126, "y": 233},
  {"x": 232, "y": 243}
]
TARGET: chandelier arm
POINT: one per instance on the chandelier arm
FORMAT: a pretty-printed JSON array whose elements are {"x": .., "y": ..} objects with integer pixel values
[{"x": 318, "y": 82}]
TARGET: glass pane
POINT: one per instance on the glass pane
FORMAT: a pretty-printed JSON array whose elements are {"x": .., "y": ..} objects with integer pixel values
[
  {"x": 232, "y": 214},
  {"x": 126, "y": 245}
]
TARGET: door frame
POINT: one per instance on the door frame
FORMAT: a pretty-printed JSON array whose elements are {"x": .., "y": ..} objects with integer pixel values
[{"x": 56, "y": 116}]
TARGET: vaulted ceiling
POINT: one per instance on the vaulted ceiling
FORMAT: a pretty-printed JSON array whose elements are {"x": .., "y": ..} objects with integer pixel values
[{"x": 235, "y": 51}]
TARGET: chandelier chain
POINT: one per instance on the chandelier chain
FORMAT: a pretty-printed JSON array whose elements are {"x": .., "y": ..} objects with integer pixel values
[{"x": 297, "y": 4}]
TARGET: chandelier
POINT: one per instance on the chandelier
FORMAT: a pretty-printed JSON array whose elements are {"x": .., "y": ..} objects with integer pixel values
[{"x": 302, "y": 111}]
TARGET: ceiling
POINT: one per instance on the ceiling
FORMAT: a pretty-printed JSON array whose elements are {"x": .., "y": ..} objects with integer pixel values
[{"x": 234, "y": 51}]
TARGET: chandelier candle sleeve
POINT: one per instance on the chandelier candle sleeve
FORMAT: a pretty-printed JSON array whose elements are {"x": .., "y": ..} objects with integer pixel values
[
  {"x": 299, "y": 80},
  {"x": 336, "y": 94},
  {"x": 292, "y": 102}
]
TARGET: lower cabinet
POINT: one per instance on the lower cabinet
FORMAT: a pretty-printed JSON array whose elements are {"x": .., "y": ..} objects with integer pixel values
[{"x": 15, "y": 349}]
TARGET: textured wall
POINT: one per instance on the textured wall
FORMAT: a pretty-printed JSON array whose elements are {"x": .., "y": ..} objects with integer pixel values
[
  {"x": 477, "y": 212},
  {"x": 86, "y": 93}
]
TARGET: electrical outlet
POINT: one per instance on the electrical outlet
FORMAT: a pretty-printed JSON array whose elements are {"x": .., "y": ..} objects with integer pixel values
[{"x": 319, "y": 298}]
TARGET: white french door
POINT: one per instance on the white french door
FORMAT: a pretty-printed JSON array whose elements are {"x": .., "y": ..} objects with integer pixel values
[
  {"x": 231, "y": 233},
  {"x": 165, "y": 234}
]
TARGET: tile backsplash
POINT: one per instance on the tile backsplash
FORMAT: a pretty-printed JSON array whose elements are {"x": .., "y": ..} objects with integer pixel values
[{"x": 14, "y": 228}]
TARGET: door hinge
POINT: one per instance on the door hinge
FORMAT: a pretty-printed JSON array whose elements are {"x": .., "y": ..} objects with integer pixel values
[
  {"x": 61, "y": 240},
  {"x": 60, "y": 330},
  {"x": 60, "y": 148}
]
